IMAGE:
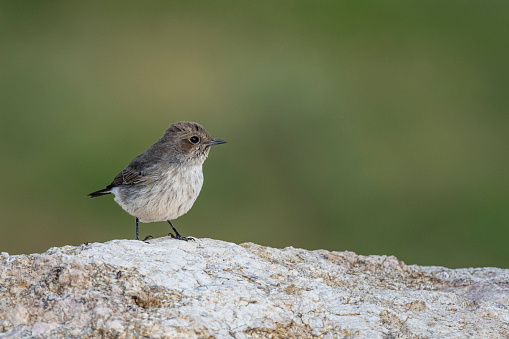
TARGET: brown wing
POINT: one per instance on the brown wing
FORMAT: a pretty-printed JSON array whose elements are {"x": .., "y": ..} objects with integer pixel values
[
  {"x": 127, "y": 177},
  {"x": 135, "y": 173}
]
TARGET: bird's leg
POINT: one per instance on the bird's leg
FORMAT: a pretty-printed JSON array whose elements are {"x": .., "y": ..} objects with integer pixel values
[
  {"x": 177, "y": 234},
  {"x": 137, "y": 235}
]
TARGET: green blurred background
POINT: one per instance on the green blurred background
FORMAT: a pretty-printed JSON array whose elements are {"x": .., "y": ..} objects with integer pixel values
[{"x": 374, "y": 127}]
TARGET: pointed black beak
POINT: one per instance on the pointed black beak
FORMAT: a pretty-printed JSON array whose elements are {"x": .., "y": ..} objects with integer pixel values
[{"x": 216, "y": 142}]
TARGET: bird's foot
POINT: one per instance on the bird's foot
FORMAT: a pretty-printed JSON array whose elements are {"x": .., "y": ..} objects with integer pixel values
[
  {"x": 179, "y": 237},
  {"x": 146, "y": 238}
]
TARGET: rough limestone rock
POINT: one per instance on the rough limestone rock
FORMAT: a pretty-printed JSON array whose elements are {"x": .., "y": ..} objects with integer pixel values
[{"x": 210, "y": 288}]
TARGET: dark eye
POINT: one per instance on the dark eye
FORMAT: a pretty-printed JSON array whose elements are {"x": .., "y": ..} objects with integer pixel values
[{"x": 194, "y": 139}]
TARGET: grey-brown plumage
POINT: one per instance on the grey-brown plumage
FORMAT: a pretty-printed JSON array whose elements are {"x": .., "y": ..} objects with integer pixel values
[{"x": 163, "y": 182}]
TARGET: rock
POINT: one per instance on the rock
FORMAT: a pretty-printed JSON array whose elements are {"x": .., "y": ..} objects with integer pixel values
[{"x": 211, "y": 288}]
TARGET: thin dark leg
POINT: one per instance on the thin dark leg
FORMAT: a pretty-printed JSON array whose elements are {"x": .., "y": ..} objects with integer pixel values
[
  {"x": 137, "y": 237},
  {"x": 177, "y": 234}
]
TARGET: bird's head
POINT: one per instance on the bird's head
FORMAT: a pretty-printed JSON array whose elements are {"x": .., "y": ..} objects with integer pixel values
[{"x": 189, "y": 141}]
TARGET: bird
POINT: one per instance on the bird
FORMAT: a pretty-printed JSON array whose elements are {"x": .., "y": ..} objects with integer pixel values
[{"x": 162, "y": 183}]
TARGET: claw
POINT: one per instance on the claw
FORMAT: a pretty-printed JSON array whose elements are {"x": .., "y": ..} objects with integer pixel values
[
  {"x": 179, "y": 237},
  {"x": 148, "y": 237},
  {"x": 177, "y": 234}
]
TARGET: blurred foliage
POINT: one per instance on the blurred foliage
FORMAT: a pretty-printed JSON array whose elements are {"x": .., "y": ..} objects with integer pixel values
[{"x": 374, "y": 127}]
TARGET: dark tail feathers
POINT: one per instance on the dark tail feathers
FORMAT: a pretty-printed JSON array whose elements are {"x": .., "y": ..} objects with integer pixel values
[{"x": 99, "y": 193}]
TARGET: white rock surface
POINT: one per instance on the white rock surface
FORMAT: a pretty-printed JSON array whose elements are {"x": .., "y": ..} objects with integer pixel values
[{"x": 211, "y": 288}]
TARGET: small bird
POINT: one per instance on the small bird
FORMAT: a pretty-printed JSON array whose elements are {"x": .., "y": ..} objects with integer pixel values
[{"x": 163, "y": 182}]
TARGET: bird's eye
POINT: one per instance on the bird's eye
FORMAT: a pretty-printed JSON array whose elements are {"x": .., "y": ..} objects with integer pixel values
[{"x": 194, "y": 139}]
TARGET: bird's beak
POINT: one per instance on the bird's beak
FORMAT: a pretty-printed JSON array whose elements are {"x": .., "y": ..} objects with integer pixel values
[{"x": 216, "y": 142}]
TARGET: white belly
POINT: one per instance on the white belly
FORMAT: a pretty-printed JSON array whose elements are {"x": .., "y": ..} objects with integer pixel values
[{"x": 167, "y": 198}]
